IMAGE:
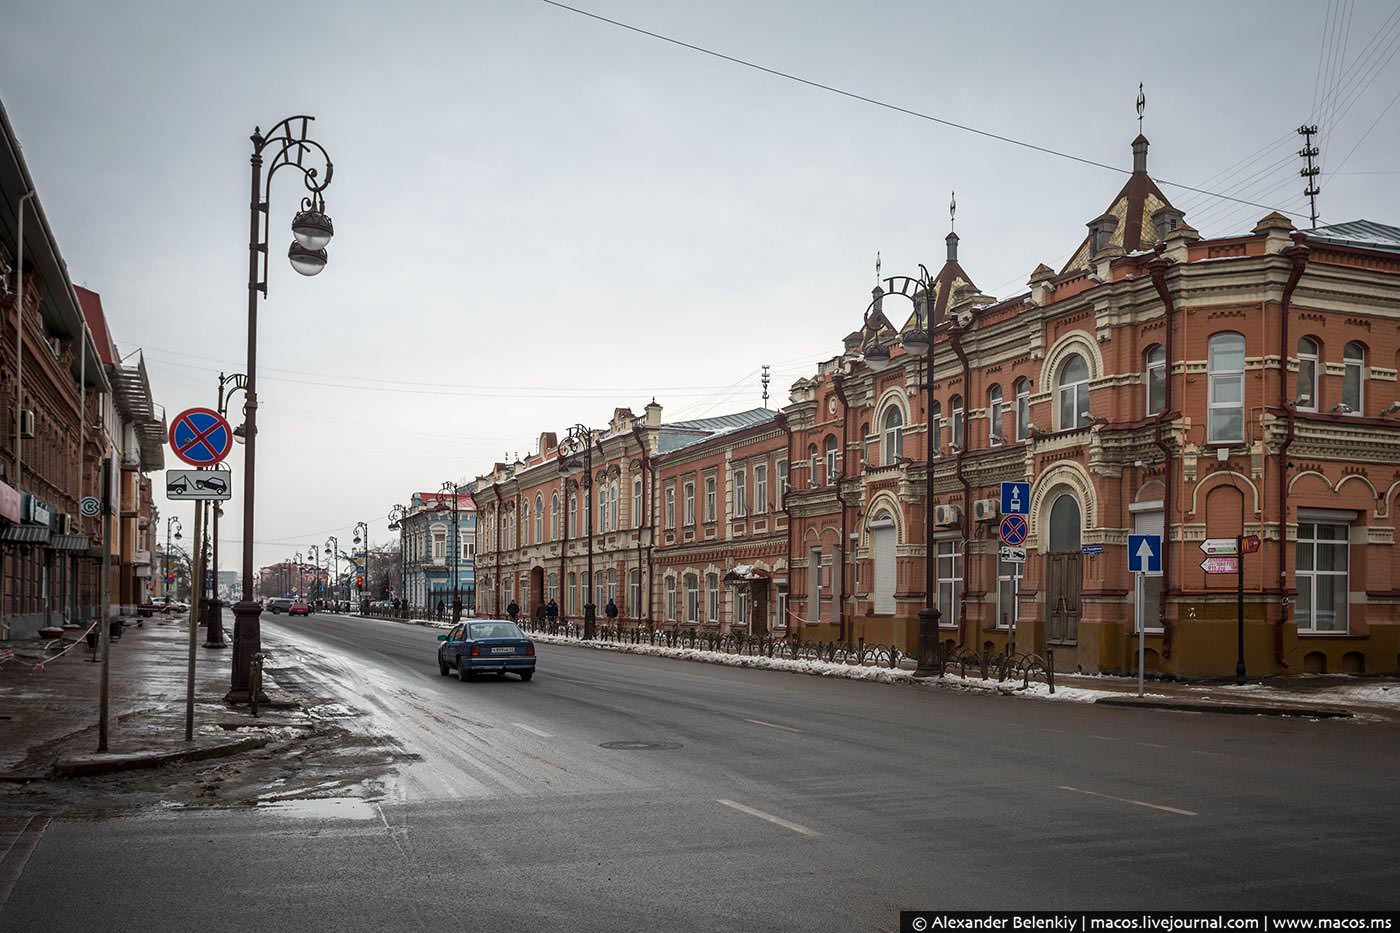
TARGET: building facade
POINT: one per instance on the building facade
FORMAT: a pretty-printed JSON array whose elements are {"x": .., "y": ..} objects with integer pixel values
[{"x": 438, "y": 541}]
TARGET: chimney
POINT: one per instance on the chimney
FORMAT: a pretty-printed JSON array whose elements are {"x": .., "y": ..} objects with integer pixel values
[
  {"x": 653, "y": 411},
  {"x": 952, "y": 239},
  {"x": 1140, "y": 154}
]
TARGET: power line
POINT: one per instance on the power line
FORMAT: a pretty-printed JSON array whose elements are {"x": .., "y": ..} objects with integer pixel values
[{"x": 876, "y": 102}]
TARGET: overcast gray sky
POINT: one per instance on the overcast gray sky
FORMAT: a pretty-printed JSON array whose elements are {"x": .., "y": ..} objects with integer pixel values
[{"x": 540, "y": 217}]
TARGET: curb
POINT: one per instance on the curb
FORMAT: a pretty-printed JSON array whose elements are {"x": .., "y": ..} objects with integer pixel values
[
  {"x": 1239, "y": 709},
  {"x": 108, "y": 763}
]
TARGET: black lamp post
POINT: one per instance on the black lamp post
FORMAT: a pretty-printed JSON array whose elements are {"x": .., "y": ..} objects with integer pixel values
[
  {"x": 170, "y": 522},
  {"x": 315, "y": 554},
  {"x": 214, "y": 621},
  {"x": 287, "y": 144},
  {"x": 333, "y": 552},
  {"x": 396, "y": 517},
  {"x": 449, "y": 488},
  {"x": 367, "y": 587},
  {"x": 918, "y": 341},
  {"x": 575, "y": 456}
]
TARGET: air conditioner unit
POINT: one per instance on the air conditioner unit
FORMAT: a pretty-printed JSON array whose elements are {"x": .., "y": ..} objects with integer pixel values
[
  {"x": 985, "y": 510},
  {"x": 26, "y": 422},
  {"x": 946, "y": 515}
]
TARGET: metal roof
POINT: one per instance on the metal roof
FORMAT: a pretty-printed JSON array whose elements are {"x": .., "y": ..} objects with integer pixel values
[
  {"x": 132, "y": 388},
  {"x": 678, "y": 434},
  {"x": 1366, "y": 234}
]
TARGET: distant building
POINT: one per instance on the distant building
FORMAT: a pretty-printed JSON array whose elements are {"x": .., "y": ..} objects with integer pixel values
[{"x": 438, "y": 537}]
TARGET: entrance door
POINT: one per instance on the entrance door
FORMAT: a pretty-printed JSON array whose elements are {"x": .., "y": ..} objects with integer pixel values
[
  {"x": 882, "y": 534},
  {"x": 535, "y": 591},
  {"x": 1064, "y": 573},
  {"x": 759, "y": 624}
]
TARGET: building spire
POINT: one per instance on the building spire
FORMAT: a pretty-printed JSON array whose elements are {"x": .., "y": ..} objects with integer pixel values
[
  {"x": 952, "y": 212},
  {"x": 877, "y": 267},
  {"x": 1141, "y": 106}
]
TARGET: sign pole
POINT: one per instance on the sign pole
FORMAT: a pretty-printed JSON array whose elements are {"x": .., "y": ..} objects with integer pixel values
[
  {"x": 1239, "y": 609},
  {"x": 197, "y": 573},
  {"x": 1142, "y": 634},
  {"x": 104, "y": 625}
]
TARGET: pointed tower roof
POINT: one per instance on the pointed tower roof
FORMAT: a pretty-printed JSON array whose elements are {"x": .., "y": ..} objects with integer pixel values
[{"x": 1127, "y": 225}]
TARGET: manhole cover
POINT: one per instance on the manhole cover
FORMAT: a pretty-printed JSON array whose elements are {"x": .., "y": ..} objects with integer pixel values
[{"x": 642, "y": 746}]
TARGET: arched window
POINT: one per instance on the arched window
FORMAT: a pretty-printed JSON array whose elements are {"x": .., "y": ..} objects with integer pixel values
[
  {"x": 1156, "y": 368},
  {"x": 614, "y": 494},
  {"x": 712, "y": 597},
  {"x": 812, "y": 475},
  {"x": 525, "y": 521},
  {"x": 1073, "y": 392},
  {"x": 892, "y": 435},
  {"x": 692, "y": 598},
  {"x": 935, "y": 427},
  {"x": 600, "y": 520},
  {"x": 1306, "y": 397},
  {"x": 1353, "y": 378},
  {"x": 1022, "y": 389},
  {"x": 1065, "y": 525},
  {"x": 1226, "y": 366},
  {"x": 995, "y": 431},
  {"x": 636, "y": 502},
  {"x": 670, "y": 599},
  {"x": 831, "y": 459},
  {"x": 955, "y": 408},
  {"x": 554, "y": 517},
  {"x": 571, "y": 594},
  {"x": 573, "y": 517},
  {"x": 864, "y": 443},
  {"x": 612, "y": 584},
  {"x": 634, "y": 595},
  {"x": 539, "y": 518}
]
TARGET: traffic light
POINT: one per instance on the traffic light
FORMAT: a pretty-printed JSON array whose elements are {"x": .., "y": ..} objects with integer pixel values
[{"x": 360, "y": 582}]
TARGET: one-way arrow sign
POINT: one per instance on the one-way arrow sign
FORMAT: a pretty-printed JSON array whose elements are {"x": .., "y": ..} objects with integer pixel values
[{"x": 1145, "y": 553}]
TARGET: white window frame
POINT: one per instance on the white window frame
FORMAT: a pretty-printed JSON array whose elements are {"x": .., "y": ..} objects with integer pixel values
[
  {"x": 539, "y": 518},
  {"x": 831, "y": 451},
  {"x": 1309, "y": 363},
  {"x": 995, "y": 415},
  {"x": 554, "y": 516},
  {"x": 525, "y": 523},
  {"x": 891, "y": 435},
  {"x": 784, "y": 483},
  {"x": 1073, "y": 394},
  {"x": 636, "y": 502},
  {"x": 670, "y": 599},
  {"x": 1009, "y": 577},
  {"x": 955, "y": 411},
  {"x": 760, "y": 488},
  {"x": 669, "y": 514},
  {"x": 1155, "y": 379},
  {"x": 711, "y": 495},
  {"x": 1022, "y": 390},
  {"x": 741, "y": 493},
  {"x": 688, "y": 507},
  {"x": 712, "y": 597},
  {"x": 572, "y": 518},
  {"x": 691, "y": 583},
  {"x": 1354, "y": 377},
  {"x": 1307, "y": 537},
  {"x": 813, "y": 458},
  {"x": 949, "y": 579},
  {"x": 634, "y": 593},
  {"x": 1215, "y": 433}
]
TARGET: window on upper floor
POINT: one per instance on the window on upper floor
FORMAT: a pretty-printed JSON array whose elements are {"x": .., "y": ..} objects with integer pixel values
[
  {"x": 1225, "y": 419},
  {"x": 525, "y": 521},
  {"x": 709, "y": 498},
  {"x": 669, "y": 512},
  {"x": 741, "y": 494},
  {"x": 1022, "y": 389},
  {"x": 1156, "y": 370},
  {"x": 689, "y": 503},
  {"x": 813, "y": 477},
  {"x": 539, "y": 518},
  {"x": 614, "y": 495},
  {"x": 554, "y": 517},
  {"x": 760, "y": 488},
  {"x": 1353, "y": 378},
  {"x": 573, "y": 516},
  {"x": 995, "y": 430},
  {"x": 831, "y": 459},
  {"x": 955, "y": 407},
  {"x": 935, "y": 427},
  {"x": 864, "y": 443},
  {"x": 1306, "y": 395},
  {"x": 1073, "y": 382},
  {"x": 636, "y": 502},
  {"x": 892, "y": 435}
]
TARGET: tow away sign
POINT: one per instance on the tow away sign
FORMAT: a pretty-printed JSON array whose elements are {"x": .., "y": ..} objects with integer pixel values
[{"x": 198, "y": 484}]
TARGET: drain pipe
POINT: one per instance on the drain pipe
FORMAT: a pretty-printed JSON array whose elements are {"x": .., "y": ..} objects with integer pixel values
[
  {"x": 787, "y": 513},
  {"x": 1157, "y": 268},
  {"x": 1298, "y": 258},
  {"x": 496, "y": 590},
  {"x": 646, "y": 487},
  {"x": 838, "y": 383},
  {"x": 955, "y": 338}
]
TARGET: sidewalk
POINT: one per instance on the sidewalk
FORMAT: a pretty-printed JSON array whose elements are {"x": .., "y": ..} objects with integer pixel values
[
  {"x": 1304, "y": 695},
  {"x": 49, "y": 706}
]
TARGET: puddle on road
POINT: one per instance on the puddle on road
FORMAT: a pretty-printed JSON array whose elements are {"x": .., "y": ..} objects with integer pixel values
[{"x": 324, "y": 808}]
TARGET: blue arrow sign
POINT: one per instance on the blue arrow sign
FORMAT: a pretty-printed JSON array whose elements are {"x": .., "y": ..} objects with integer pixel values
[
  {"x": 1145, "y": 553},
  {"x": 1015, "y": 498}
]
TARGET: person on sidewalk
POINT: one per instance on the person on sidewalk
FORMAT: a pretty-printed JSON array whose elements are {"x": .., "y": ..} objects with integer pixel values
[
  {"x": 441, "y": 606},
  {"x": 610, "y": 610},
  {"x": 513, "y": 610},
  {"x": 551, "y": 612}
]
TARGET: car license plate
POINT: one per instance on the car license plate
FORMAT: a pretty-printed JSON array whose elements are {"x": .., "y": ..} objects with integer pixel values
[{"x": 505, "y": 650}]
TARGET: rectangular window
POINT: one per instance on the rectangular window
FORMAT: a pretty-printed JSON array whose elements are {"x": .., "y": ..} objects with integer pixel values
[
  {"x": 634, "y": 595},
  {"x": 782, "y": 616},
  {"x": 741, "y": 494},
  {"x": 670, "y": 599},
  {"x": 1023, "y": 414},
  {"x": 571, "y": 594},
  {"x": 814, "y": 586},
  {"x": 637, "y": 502},
  {"x": 1322, "y": 577},
  {"x": 1156, "y": 384},
  {"x": 692, "y": 598},
  {"x": 949, "y": 580},
  {"x": 670, "y": 507},
  {"x": 760, "y": 489},
  {"x": 1226, "y": 367},
  {"x": 551, "y": 588},
  {"x": 1008, "y": 587},
  {"x": 712, "y": 597},
  {"x": 439, "y": 545},
  {"x": 709, "y": 498},
  {"x": 464, "y": 544},
  {"x": 741, "y": 607},
  {"x": 782, "y": 479},
  {"x": 690, "y": 503}
]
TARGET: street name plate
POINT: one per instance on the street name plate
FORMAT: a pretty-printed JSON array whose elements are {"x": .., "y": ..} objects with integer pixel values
[
  {"x": 1221, "y": 565},
  {"x": 198, "y": 485}
]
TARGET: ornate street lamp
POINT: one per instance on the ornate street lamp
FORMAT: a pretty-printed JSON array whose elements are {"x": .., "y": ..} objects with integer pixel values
[
  {"x": 396, "y": 517},
  {"x": 287, "y": 144},
  {"x": 575, "y": 458},
  {"x": 449, "y": 488},
  {"x": 333, "y": 552},
  {"x": 363, "y": 527},
  {"x": 170, "y": 522},
  {"x": 214, "y": 620}
]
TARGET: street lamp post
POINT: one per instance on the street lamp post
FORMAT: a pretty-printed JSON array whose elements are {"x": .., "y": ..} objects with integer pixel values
[
  {"x": 578, "y": 443},
  {"x": 450, "y": 488},
  {"x": 333, "y": 551},
  {"x": 314, "y": 552},
  {"x": 288, "y": 145},
  {"x": 367, "y": 588},
  {"x": 396, "y": 517},
  {"x": 214, "y": 632},
  {"x": 169, "y": 522}
]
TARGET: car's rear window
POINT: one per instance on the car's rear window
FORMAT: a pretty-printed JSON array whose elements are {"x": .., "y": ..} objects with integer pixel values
[{"x": 495, "y": 630}]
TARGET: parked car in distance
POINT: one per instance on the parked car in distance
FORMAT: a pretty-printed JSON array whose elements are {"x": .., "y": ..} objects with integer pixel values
[
  {"x": 175, "y": 605},
  {"x": 299, "y": 607},
  {"x": 484, "y": 646},
  {"x": 278, "y": 604}
]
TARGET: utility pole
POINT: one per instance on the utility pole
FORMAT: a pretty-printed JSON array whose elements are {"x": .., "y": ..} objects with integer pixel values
[
  {"x": 104, "y": 630},
  {"x": 1309, "y": 152}
]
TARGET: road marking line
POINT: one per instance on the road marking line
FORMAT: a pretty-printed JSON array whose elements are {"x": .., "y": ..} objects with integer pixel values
[
  {"x": 1104, "y": 738},
  {"x": 533, "y": 731},
  {"x": 17, "y": 855},
  {"x": 772, "y": 725},
  {"x": 1197, "y": 751},
  {"x": 1136, "y": 803},
  {"x": 777, "y": 820},
  {"x": 1152, "y": 745}
]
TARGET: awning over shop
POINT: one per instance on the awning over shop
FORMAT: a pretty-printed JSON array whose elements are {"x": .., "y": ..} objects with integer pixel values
[
  {"x": 24, "y": 534},
  {"x": 69, "y": 542},
  {"x": 745, "y": 573}
]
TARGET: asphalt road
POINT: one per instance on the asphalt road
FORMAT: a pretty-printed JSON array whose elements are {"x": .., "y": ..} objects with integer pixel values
[{"x": 756, "y": 800}]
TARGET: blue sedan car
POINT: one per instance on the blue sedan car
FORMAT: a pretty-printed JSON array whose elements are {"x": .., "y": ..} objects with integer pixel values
[{"x": 486, "y": 646}]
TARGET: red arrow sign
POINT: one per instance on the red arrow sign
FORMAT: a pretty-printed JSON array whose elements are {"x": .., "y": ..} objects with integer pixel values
[{"x": 1221, "y": 565}]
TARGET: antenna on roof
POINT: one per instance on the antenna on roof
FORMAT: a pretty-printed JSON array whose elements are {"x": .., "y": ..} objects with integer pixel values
[
  {"x": 765, "y": 380},
  {"x": 952, "y": 212},
  {"x": 1141, "y": 106},
  {"x": 1310, "y": 173}
]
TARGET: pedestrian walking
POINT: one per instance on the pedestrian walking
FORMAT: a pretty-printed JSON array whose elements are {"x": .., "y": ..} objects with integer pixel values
[
  {"x": 441, "y": 606},
  {"x": 551, "y": 612},
  {"x": 610, "y": 610},
  {"x": 513, "y": 610}
]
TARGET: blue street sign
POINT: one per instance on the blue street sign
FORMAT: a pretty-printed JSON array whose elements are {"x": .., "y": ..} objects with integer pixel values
[
  {"x": 200, "y": 436},
  {"x": 1015, "y": 498},
  {"x": 1014, "y": 530},
  {"x": 1145, "y": 553}
]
